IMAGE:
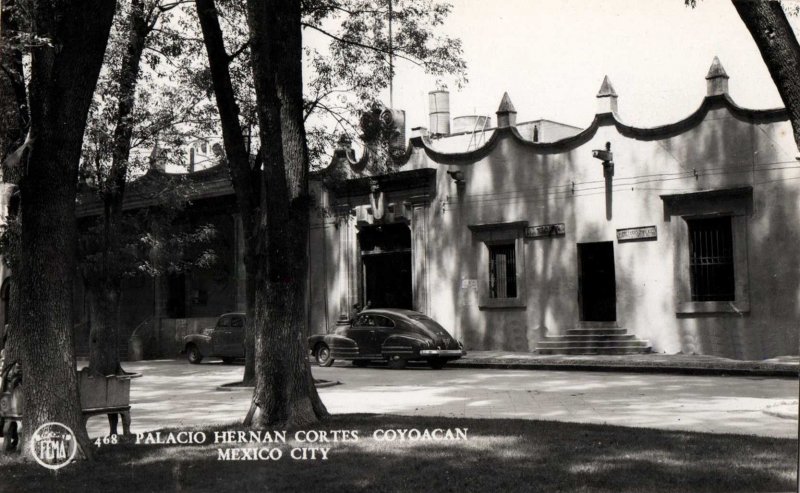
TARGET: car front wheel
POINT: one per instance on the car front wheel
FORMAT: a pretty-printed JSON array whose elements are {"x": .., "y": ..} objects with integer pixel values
[
  {"x": 322, "y": 353},
  {"x": 437, "y": 364},
  {"x": 194, "y": 355}
]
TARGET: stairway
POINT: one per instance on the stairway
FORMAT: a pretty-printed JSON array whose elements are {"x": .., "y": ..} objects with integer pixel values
[{"x": 605, "y": 338}]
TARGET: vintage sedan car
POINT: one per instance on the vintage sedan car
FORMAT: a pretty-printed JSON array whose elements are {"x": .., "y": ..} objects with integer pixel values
[
  {"x": 393, "y": 335},
  {"x": 225, "y": 340}
]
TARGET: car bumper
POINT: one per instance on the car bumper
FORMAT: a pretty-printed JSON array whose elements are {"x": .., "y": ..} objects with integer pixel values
[{"x": 446, "y": 353}]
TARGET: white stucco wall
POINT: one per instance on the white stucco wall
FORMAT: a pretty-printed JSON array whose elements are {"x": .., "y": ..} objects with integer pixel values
[{"x": 516, "y": 181}]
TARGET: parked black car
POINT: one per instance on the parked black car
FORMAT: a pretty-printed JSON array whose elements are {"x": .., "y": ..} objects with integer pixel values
[
  {"x": 393, "y": 335},
  {"x": 224, "y": 340}
]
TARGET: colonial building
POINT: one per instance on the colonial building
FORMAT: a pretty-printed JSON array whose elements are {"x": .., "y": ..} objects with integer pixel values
[
  {"x": 532, "y": 236},
  {"x": 676, "y": 238}
]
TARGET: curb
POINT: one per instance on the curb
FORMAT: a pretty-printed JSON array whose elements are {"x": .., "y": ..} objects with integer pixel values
[
  {"x": 229, "y": 388},
  {"x": 650, "y": 368},
  {"x": 785, "y": 410}
]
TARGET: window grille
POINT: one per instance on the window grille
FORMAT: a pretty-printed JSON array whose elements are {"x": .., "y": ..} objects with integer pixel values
[
  {"x": 502, "y": 271},
  {"x": 711, "y": 259}
]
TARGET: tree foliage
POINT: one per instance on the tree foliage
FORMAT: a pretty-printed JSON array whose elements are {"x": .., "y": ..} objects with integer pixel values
[
  {"x": 349, "y": 76},
  {"x": 140, "y": 103}
]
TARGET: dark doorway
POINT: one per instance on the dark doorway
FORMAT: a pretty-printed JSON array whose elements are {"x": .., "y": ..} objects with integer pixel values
[
  {"x": 386, "y": 257},
  {"x": 598, "y": 286},
  {"x": 176, "y": 296}
]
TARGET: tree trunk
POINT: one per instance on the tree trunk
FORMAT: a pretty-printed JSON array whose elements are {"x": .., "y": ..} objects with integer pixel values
[
  {"x": 12, "y": 350},
  {"x": 245, "y": 184},
  {"x": 63, "y": 78},
  {"x": 249, "y": 376},
  {"x": 105, "y": 290},
  {"x": 104, "y": 299},
  {"x": 779, "y": 48},
  {"x": 285, "y": 393}
]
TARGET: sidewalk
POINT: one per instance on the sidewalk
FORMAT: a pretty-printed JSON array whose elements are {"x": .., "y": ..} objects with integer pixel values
[{"x": 786, "y": 366}]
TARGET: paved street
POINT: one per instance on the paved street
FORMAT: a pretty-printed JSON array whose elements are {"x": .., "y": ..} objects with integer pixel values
[{"x": 174, "y": 393}]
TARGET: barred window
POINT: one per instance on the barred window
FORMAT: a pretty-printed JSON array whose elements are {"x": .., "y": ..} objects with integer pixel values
[
  {"x": 502, "y": 271},
  {"x": 711, "y": 259}
]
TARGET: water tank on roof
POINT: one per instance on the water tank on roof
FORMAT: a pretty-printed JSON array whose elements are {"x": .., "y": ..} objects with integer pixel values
[
  {"x": 471, "y": 123},
  {"x": 439, "y": 111}
]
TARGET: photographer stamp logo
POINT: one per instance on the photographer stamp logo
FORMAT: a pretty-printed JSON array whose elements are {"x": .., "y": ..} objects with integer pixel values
[{"x": 53, "y": 445}]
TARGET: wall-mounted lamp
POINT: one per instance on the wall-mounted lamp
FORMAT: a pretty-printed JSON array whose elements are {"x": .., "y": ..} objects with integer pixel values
[
  {"x": 457, "y": 176},
  {"x": 607, "y": 157}
]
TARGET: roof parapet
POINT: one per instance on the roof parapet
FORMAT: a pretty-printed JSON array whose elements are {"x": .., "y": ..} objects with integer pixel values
[
  {"x": 506, "y": 113},
  {"x": 606, "y": 98},
  {"x": 717, "y": 79}
]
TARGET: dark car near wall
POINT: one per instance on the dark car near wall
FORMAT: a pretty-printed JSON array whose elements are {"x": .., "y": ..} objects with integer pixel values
[
  {"x": 392, "y": 335},
  {"x": 225, "y": 340}
]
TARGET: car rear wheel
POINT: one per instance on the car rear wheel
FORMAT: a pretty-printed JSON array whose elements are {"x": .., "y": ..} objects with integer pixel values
[
  {"x": 193, "y": 354},
  {"x": 397, "y": 364},
  {"x": 361, "y": 363},
  {"x": 437, "y": 364},
  {"x": 322, "y": 353},
  {"x": 228, "y": 360}
]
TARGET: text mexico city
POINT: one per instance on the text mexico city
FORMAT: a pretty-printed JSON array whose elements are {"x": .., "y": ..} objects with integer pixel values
[{"x": 313, "y": 444}]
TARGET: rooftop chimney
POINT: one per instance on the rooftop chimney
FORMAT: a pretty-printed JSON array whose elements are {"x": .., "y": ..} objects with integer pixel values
[
  {"x": 439, "y": 112},
  {"x": 506, "y": 114},
  {"x": 606, "y": 98},
  {"x": 717, "y": 79}
]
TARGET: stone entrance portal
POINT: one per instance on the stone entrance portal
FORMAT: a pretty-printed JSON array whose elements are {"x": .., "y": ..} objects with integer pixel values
[{"x": 386, "y": 260}]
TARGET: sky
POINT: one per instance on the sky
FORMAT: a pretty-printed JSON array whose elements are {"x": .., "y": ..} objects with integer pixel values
[{"x": 551, "y": 56}]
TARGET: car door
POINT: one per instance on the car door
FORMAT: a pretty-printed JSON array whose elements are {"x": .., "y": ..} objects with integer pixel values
[
  {"x": 219, "y": 337},
  {"x": 384, "y": 327},
  {"x": 363, "y": 332},
  {"x": 235, "y": 342}
]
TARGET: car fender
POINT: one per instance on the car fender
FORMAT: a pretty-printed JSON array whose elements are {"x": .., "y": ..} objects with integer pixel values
[
  {"x": 341, "y": 347},
  {"x": 202, "y": 341},
  {"x": 332, "y": 340},
  {"x": 406, "y": 345}
]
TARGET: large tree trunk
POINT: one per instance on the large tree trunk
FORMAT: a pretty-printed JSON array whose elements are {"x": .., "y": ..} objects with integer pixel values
[
  {"x": 105, "y": 289},
  {"x": 104, "y": 299},
  {"x": 63, "y": 77},
  {"x": 285, "y": 393},
  {"x": 778, "y": 45},
  {"x": 245, "y": 180}
]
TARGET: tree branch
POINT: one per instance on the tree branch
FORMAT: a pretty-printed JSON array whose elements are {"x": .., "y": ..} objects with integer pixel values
[
  {"x": 238, "y": 51},
  {"x": 362, "y": 45}
]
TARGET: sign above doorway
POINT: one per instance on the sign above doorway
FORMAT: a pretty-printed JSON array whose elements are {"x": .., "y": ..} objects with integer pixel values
[
  {"x": 642, "y": 233},
  {"x": 545, "y": 230}
]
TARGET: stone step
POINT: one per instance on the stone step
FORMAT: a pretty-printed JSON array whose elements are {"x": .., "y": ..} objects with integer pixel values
[
  {"x": 591, "y": 337},
  {"x": 595, "y": 351},
  {"x": 577, "y": 344},
  {"x": 596, "y": 332},
  {"x": 597, "y": 325}
]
